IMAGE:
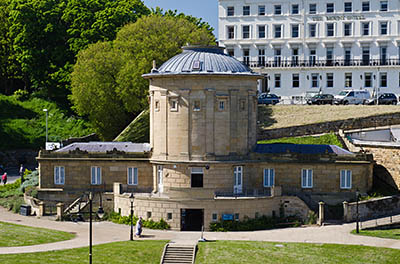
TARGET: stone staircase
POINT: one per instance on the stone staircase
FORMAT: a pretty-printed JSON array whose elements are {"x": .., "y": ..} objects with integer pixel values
[
  {"x": 76, "y": 207},
  {"x": 178, "y": 254}
]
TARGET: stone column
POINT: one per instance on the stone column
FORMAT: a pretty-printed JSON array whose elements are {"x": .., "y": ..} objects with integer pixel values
[
  {"x": 41, "y": 209},
  {"x": 321, "y": 215},
  {"x": 60, "y": 211},
  {"x": 117, "y": 188},
  {"x": 345, "y": 211}
]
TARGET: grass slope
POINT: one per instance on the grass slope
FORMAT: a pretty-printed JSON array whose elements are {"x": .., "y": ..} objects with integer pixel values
[
  {"x": 328, "y": 139},
  {"x": 265, "y": 252},
  {"x": 138, "y": 131},
  {"x": 387, "y": 233},
  {"x": 136, "y": 252},
  {"x": 17, "y": 235},
  {"x": 23, "y": 123}
]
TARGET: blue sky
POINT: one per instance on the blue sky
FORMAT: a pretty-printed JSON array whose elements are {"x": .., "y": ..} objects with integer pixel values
[{"x": 207, "y": 10}]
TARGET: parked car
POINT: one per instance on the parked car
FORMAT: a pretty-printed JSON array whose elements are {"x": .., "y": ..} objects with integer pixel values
[
  {"x": 352, "y": 97},
  {"x": 385, "y": 98},
  {"x": 321, "y": 99},
  {"x": 265, "y": 98}
]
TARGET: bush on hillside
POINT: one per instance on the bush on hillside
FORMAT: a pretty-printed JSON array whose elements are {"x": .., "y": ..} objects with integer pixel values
[{"x": 117, "y": 218}]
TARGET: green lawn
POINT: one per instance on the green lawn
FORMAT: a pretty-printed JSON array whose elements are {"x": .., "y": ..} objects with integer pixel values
[
  {"x": 12, "y": 235},
  {"x": 135, "y": 252},
  {"x": 327, "y": 139},
  {"x": 388, "y": 233},
  {"x": 266, "y": 252}
]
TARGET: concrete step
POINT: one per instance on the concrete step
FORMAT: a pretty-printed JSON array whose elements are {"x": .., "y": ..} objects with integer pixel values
[{"x": 178, "y": 254}]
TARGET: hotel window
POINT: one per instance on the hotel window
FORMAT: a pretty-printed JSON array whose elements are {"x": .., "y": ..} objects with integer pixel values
[
  {"x": 231, "y": 11},
  {"x": 278, "y": 31},
  {"x": 261, "y": 10},
  {"x": 313, "y": 8},
  {"x": 246, "y": 57},
  {"x": 295, "y": 80},
  {"x": 365, "y": 28},
  {"x": 133, "y": 176},
  {"x": 95, "y": 175},
  {"x": 231, "y": 32},
  {"x": 383, "y": 79},
  {"x": 383, "y": 54},
  {"x": 330, "y": 29},
  {"x": 261, "y": 31},
  {"x": 329, "y": 80},
  {"x": 246, "y": 10},
  {"x": 314, "y": 80},
  {"x": 313, "y": 30},
  {"x": 269, "y": 177},
  {"x": 174, "y": 105},
  {"x": 295, "y": 56},
  {"x": 383, "y": 28},
  {"x": 347, "y": 29},
  {"x": 277, "y": 57},
  {"x": 277, "y": 9},
  {"x": 368, "y": 80},
  {"x": 384, "y": 6},
  {"x": 313, "y": 56},
  {"x": 277, "y": 81},
  {"x": 348, "y": 7},
  {"x": 261, "y": 57},
  {"x": 348, "y": 80},
  {"x": 196, "y": 106},
  {"x": 59, "y": 175},
  {"x": 295, "y": 31},
  {"x": 306, "y": 178},
  {"x": 246, "y": 32},
  {"x": 330, "y": 7},
  {"x": 345, "y": 179},
  {"x": 295, "y": 9},
  {"x": 157, "y": 106},
  {"x": 365, "y": 55},
  {"x": 329, "y": 56},
  {"x": 365, "y": 6},
  {"x": 197, "y": 177}
]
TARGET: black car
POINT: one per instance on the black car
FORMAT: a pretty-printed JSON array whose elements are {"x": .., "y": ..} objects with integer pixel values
[
  {"x": 385, "y": 98},
  {"x": 321, "y": 99},
  {"x": 265, "y": 98}
]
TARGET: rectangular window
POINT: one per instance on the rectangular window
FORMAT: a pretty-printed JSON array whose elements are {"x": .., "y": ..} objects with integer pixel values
[
  {"x": 246, "y": 57},
  {"x": 221, "y": 105},
  {"x": 330, "y": 29},
  {"x": 157, "y": 106},
  {"x": 295, "y": 31},
  {"x": 277, "y": 9},
  {"x": 313, "y": 8},
  {"x": 261, "y": 10},
  {"x": 347, "y": 55},
  {"x": 368, "y": 80},
  {"x": 347, "y": 29},
  {"x": 246, "y": 32},
  {"x": 133, "y": 176},
  {"x": 295, "y": 80},
  {"x": 169, "y": 216},
  {"x": 261, "y": 57},
  {"x": 95, "y": 175},
  {"x": 278, "y": 31},
  {"x": 365, "y": 55},
  {"x": 295, "y": 56},
  {"x": 59, "y": 175},
  {"x": 348, "y": 80},
  {"x": 314, "y": 80},
  {"x": 348, "y": 7},
  {"x": 313, "y": 56},
  {"x": 383, "y": 28},
  {"x": 329, "y": 56},
  {"x": 277, "y": 57},
  {"x": 365, "y": 6},
  {"x": 383, "y": 55},
  {"x": 365, "y": 28},
  {"x": 231, "y": 32},
  {"x": 384, "y": 6},
  {"x": 306, "y": 178},
  {"x": 313, "y": 30},
  {"x": 269, "y": 177},
  {"x": 214, "y": 217},
  {"x": 197, "y": 177},
  {"x": 295, "y": 9},
  {"x": 261, "y": 31},
  {"x": 196, "y": 106},
  {"x": 383, "y": 79},
  {"x": 246, "y": 10},
  {"x": 174, "y": 105},
  {"x": 330, "y": 7},
  {"x": 231, "y": 11},
  {"x": 329, "y": 80},
  {"x": 345, "y": 179},
  {"x": 277, "y": 81}
]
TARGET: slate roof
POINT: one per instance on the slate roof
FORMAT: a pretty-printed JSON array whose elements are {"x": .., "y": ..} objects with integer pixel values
[
  {"x": 103, "y": 147},
  {"x": 200, "y": 60},
  {"x": 300, "y": 149}
]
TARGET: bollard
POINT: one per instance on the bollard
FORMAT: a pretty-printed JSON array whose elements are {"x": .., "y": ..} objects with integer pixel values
[
  {"x": 60, "y": 211},
  {"x": 321, "y": 213}
]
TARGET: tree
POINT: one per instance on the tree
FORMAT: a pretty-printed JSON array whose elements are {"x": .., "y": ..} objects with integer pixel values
[{"x": 151, "y": 38}]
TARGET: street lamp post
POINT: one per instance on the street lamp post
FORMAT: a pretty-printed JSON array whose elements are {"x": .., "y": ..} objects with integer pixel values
[
  {"x": 131, "y": 198},
  {"x": 100, "y": 214},
  {"x": 47, "y": 134},
  {"x": 357, "y": 217}
]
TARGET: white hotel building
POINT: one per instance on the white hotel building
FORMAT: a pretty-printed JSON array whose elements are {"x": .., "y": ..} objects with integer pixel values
[{"x": 305, "y": 46}]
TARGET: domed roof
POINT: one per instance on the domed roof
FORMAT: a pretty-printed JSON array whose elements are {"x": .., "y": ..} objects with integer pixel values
[{"x": 201, "y": 60}]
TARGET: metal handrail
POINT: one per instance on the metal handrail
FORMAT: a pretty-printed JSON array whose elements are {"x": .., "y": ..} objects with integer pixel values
[{"x": 251, "y": 192}]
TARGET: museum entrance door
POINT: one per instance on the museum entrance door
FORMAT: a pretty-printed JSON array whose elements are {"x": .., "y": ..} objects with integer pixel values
[{"x": 192, "y": 219}]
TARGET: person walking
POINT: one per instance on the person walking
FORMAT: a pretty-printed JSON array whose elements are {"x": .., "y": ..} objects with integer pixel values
[
  {"x": 4, "y": 178},
  {"x": 138, "y": 227},
  {"x": 21, "y": 173}
]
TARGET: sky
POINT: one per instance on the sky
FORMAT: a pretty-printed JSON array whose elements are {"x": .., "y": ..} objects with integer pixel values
[{"x": 207, "y": 10}]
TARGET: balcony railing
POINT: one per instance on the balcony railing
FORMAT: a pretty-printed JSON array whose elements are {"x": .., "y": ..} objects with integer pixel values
[
  {"x": 251, "y": 192},
  {"x": 320, "y": 63}
]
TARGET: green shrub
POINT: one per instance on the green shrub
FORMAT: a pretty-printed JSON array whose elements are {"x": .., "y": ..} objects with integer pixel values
[
  {"x": 31, "y": 179},
  {"x": 21, "y": 95},
  {"x": 311, "y": 218},
  {"x": 117, "y": 218}
]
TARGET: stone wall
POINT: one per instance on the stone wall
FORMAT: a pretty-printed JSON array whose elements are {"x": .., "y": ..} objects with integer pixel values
[{"x": 326, "y": 127}]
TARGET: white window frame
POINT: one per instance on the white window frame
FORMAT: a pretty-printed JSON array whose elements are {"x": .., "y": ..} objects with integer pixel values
[
  {"x": 174, "y": 104},
  {"x": 247, "y": 32},
  {"x": 345, "y": 179},
  {"x": 293, "y": 26},
  {"x": 96, "y": 178},
  {"x": 133, "y": 176},
  {"x": 59, "y": 175},
  {"x": 228, "y": 33},
  {"x": 364, "y": 8},
  {"x": 261, "y": 10},
  {"x": 328, "y": 31},
  {"x": 259, "y": 31},
  {"x": 314, "y": 11},
  {"x": 381, "y": 6},
  {"x": 292, "y": 9},
  {"x": 269, "y": 177},
  {"x": 306, "y": 178},
  {"x": 230, "y": 11},
  {"x": 351, "y": 7},
  {"x": 222, "y": 105},
  {"x": 294, "y": 81},
  {"x": 214, "y": 219}
]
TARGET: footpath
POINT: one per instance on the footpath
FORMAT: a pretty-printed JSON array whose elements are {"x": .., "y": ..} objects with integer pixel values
[{"x": 107, "y": 232}]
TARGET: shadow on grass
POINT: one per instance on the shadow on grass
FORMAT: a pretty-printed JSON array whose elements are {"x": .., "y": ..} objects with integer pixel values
[
  {"x": 265, "y": 116},
  {"x": 9, "y": 110}
]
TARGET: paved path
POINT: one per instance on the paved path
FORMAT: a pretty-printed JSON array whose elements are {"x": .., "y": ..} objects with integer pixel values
[{"x": 106, "y": 232}]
